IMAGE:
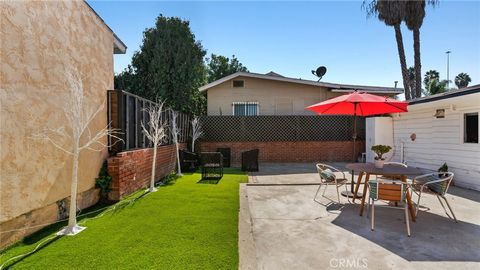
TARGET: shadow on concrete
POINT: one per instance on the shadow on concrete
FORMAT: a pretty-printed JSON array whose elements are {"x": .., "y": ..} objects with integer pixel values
[
  {"x": 468, "y": 194},
  {"x": 434, "y": 237}
]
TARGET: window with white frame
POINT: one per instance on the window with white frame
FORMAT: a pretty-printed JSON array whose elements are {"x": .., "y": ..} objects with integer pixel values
[
  {"x": 470, "y": 134},
  {"x": 245, "y": 108}
]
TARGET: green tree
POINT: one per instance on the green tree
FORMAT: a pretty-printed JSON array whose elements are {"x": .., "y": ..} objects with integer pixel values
[
  {"x": 219, "y": 66},
  {"x": 169, "y": 66},
  {"x": 392, "y": 14},
  {"x": 462, "y": 80},
  {"x": 414, "y": 15},
  {"x": 128, "y": 81},
  {"x": 430, "y": 75},
  {"x": 435, "y": 86}
]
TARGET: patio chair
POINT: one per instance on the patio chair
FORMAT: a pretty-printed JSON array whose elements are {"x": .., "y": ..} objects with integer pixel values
[
  {"x": 250, "y": 160},
  {"x": 330, "y": 175},
  {"x": 188, "y": 160},
  {"x": 388, "y": 190},
  {"x": 212, "y": 165},
  {"x": 226, "y": 152},
  {"x": 390, "y": 177},
  {"x": 436, "y": 184}
]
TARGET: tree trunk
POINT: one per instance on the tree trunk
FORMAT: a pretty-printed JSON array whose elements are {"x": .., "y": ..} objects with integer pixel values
[
  {"x": 72, "y": 216},
  {"x": 154, "y": 162},
  {"x": 418, "y": 64},
  {"x": 179, "y": 172},
  {"x": 403, "y": 61}
]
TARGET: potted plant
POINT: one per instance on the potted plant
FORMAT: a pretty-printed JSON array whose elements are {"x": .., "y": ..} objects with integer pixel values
[
  {"x": 380, "y": 150},
  {"x": 443, "y": 169}
]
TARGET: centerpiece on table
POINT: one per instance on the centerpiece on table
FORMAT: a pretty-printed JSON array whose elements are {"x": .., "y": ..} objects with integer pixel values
[{"x": 380, "y": 150}]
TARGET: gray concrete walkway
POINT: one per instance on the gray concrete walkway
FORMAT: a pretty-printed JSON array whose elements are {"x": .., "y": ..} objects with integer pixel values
[{"x": 292, "y": 231}]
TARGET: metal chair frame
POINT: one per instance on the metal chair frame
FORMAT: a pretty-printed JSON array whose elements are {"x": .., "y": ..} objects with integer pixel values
[
  {"x": 336, "y": 182},
  {"x": 419, "y": 189},
  {"x": 376, "y": 196}
]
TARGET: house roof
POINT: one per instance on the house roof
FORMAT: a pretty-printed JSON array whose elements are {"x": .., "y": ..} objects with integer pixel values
[
  {"x": 335, "y": 87},
  {"x": 449, "y": 94},
  {"x": 118, "y": 46}
]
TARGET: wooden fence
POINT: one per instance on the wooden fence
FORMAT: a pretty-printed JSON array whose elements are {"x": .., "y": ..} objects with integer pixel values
[{"x": 126, "y": 112}]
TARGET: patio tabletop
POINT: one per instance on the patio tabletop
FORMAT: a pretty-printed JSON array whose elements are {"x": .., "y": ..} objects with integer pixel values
[{"x": 389, "y": 170}]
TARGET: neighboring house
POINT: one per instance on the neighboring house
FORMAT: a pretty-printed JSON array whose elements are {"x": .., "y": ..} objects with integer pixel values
[
  {"x": 245, "y": 93},
  {"x": 444, "y": 128},
  {"x": 40, "y": 40}
]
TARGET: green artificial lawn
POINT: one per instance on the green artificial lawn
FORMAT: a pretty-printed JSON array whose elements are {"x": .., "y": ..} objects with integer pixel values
[{"x": 184, "y": 225}]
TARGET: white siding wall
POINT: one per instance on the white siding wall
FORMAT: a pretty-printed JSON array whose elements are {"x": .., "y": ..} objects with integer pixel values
[
  {"x": 440, "y": 140},
  {"x": 379, "y": 130}
]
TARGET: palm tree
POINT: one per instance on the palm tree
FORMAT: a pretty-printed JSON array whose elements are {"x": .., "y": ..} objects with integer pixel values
[
  {"x": 392, "y": 14},
  {"x": 435, "y": 86},
  {"x": 430, "y": 75},
  {"x": 411, "y": 79},
  {"x": 414, "y": 15},
  {"x": 462, "y": 80}
]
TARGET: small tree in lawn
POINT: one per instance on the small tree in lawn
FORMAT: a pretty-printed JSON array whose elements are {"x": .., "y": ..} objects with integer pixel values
[
  {"x": 155, "y": 131},
  {"x": 197, "y": 131},
  {"x": 75, "y": 137},
  {"x": 175, "y": 131}
]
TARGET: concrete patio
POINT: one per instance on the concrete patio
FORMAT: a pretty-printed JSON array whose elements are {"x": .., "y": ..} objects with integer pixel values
[{"x": 282, "y": 227}]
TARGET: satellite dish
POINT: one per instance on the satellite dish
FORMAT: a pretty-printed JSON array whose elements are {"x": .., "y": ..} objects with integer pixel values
[{"x": 319, "y": 72}]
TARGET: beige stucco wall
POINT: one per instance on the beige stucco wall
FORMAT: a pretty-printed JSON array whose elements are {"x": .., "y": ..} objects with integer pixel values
[
  {"x": 274, "y": 97},
  {"x": 39, "y": 41}
]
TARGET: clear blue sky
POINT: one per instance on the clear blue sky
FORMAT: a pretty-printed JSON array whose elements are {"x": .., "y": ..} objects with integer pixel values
[{"x": 292, "y": 38}]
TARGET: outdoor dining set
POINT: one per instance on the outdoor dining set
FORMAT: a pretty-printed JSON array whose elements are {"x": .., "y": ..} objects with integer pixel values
[{"x": 394, "y": 184}]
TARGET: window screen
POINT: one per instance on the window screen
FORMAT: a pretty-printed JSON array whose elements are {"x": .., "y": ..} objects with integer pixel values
[
  {"x": 245, "y": 108},
  {"x": 471, "y": 128}
]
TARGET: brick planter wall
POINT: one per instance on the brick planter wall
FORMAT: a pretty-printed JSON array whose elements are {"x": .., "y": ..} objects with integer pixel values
[
  {"x": 298, "y": 151},
  {"x": 131, "y": 170}
]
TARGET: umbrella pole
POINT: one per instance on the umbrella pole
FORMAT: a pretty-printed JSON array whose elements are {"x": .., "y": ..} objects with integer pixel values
[{"x": 354, "y": 137}]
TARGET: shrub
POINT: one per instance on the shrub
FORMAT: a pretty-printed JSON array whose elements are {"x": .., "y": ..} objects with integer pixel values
[
  {"x": 170, "y": 178},
  {"x": 103, "y": 181}
]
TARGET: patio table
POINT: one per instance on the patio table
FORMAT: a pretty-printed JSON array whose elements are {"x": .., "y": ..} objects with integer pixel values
[{"x": 387, "y": 170}]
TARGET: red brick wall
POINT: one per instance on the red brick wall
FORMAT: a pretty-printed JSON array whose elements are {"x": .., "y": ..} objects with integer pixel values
[
  {"x": 131, "y": 170},
  {"x": 303, "y": 151}
]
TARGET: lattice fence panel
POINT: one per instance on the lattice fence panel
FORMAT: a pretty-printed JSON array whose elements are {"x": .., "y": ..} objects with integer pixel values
[{"x": 281, "y": 128}]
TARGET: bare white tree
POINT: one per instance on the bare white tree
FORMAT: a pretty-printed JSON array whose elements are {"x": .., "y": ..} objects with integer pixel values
[
  {"x": 155, "y": 131},
  {"x": 76, "y": 136},
  {"x": 197, "y": 131},
  {"x": 175, "y": 131}
]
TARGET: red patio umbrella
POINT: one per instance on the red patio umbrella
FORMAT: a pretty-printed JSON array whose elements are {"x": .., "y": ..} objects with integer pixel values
[{"x": 361, "y": 104}]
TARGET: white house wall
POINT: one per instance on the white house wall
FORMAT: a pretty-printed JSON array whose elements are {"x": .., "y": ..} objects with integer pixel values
[{"x": 440, "y": 140}]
